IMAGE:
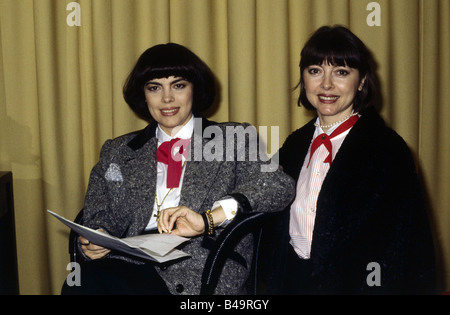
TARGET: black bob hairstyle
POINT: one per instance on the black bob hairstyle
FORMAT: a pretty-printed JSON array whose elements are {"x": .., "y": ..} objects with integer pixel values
[
  {"x": 163, "y": 61},
  {"x": 338, "y": 46}
]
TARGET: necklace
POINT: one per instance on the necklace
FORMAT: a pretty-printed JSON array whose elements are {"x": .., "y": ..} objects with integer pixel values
[
  {"x": 335, "y": 123},
  {"x": 159, "y": 205}
]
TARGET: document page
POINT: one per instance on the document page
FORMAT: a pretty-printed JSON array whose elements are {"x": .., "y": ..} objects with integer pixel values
[{"x": 156, "y": 247}]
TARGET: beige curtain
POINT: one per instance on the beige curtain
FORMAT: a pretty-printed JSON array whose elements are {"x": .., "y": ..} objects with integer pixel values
[{"x": 63, "y": 63}]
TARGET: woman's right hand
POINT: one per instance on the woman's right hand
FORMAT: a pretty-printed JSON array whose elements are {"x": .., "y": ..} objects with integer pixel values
[{"x": 91, "y": 250}]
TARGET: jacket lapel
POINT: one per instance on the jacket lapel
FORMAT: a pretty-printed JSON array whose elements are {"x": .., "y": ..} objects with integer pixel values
[
  {"x": 200, "y": 175},
  {"x": 140, "y": 164}
]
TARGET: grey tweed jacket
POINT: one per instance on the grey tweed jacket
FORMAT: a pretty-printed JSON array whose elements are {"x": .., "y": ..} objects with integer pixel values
[{"x": 121, "y": 194}]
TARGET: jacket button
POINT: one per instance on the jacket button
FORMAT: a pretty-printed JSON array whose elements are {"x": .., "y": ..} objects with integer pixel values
[{"x": 179, "y": 288}]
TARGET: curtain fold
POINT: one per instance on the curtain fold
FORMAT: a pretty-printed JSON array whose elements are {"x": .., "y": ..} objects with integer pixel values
[{"x": 63, "y": 65}]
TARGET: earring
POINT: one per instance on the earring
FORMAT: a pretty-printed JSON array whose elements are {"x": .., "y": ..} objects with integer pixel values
[{"x": 362, "y": 84}]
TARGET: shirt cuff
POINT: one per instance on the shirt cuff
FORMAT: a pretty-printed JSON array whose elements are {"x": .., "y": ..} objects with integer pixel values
[{"x": 230, "y": 206}]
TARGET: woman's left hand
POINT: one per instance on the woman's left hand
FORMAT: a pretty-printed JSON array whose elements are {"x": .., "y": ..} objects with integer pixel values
[{"x": 181, "y": 221}]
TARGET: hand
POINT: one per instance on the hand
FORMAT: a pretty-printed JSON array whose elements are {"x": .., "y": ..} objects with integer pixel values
[
  {"x": 181, "y": 221},
  {"x": 91, "y": 250}
]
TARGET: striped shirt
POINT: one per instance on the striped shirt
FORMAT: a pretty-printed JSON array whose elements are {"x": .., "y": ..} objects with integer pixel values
[{"x": 303, "y": 209}]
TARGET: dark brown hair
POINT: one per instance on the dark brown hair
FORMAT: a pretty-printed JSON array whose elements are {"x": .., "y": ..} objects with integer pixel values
[
  {"x": 338, "y": 46},
  {"x": 163, "y": 61}
]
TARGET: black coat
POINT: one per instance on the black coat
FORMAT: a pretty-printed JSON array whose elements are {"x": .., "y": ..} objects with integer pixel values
[{"x": 370, "y": 209}]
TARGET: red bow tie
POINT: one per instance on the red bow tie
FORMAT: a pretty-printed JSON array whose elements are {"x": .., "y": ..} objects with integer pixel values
[
  {"x": 326, "y": 140},
  {"x": 173, "y": 160}
]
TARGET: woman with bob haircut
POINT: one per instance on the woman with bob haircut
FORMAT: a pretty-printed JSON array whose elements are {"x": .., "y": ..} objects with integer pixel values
[
  {"x": 166, "y": 60},
  {"x": 358, "y": 223},
  {"x": 150, "y": 181}
]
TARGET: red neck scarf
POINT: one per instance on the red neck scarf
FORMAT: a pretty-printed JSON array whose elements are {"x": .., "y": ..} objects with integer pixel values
[
  {"x": 166, "y": 155},
  {"x": 326, "y": 140}
]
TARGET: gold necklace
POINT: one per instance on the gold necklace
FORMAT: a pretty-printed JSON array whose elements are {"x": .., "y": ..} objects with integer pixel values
[{"x": 158, "y": 206}]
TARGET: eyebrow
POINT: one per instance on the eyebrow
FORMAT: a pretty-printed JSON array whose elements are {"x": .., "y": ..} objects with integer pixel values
[{"x": 172, "y": 82}]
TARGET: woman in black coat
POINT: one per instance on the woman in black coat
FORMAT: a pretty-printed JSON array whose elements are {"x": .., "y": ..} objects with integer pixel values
[{"x": 358, "y": 224}]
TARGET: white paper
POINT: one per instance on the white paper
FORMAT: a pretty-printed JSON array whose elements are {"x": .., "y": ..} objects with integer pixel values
[{"x": 157, "y": 247}]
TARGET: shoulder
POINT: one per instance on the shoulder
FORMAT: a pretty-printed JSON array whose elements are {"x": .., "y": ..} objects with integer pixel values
[
  {"x": 376, "y": 131},
  {"x": 233, "y": 128},
  {"x": 127, "y": 143},
  {"x": 303, "y": 134},
  {"x": 120, "y": 141},
  {"x": 372, "y": 137},
  {"x": 295, "y": 148}
]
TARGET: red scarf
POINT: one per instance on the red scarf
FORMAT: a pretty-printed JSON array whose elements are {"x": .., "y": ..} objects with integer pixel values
[
  {"x": 326, "y": 140},
  {"x": 173, "y": 160}
]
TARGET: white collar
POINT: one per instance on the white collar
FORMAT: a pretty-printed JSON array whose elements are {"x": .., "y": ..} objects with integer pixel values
[{"x": 184, "y": 133}]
